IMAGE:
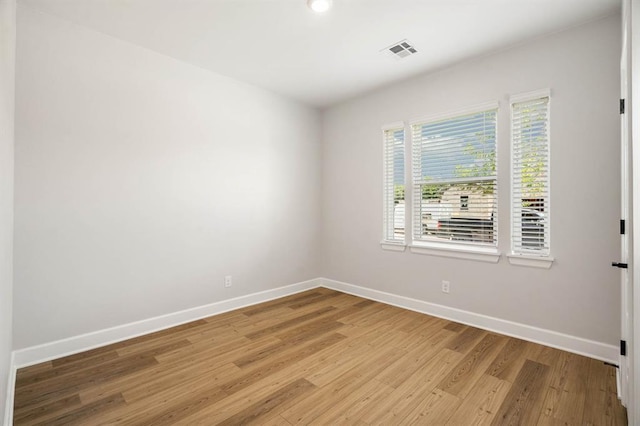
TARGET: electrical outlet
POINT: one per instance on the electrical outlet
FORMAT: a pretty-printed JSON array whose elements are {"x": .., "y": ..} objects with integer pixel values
[
  {"x": 227, "y": 281},
  {"x": 445, "y": 286}
]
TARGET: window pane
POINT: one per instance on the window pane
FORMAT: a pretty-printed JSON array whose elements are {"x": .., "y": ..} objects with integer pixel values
[
  {"x": 394, "y": 186},
  {"x": 443, "y": 216},
  {"x": 530, "y": 180},
  {"x": 454, "y": 173}
]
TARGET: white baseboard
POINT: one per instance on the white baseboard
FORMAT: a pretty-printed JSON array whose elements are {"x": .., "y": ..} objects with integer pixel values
[
  {"x": 84, "y": 342},
  {"x": 46, "y": 352},
  {"x": 11, "y": 386},
  {"x": 577, "y": 345}
]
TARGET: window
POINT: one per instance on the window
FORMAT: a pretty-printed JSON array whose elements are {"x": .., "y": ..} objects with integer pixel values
[
  {"x": 530, "y": 174},
  {"x": 394, "y": 184},
  {"x": 454, "y": 178}
]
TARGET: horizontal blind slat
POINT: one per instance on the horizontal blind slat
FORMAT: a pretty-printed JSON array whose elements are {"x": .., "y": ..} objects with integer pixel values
[{"x": 455, "y": 183}]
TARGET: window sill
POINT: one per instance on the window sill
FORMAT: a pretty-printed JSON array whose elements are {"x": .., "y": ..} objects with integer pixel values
[
  {"x": 531, "y": 261},
  {"x": 481, "y": 254},
  {"x": 387, "y": 245}
]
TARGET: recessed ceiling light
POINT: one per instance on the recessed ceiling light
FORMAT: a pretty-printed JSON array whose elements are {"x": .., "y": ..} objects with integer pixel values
[{"x": 319, "y": 6}]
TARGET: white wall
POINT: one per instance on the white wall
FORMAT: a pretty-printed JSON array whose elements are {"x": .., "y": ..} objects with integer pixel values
[
  {"x": 141, "y": 181},
  {"x": 579, "y": 295},
  {"x": 7, "y": 68}
]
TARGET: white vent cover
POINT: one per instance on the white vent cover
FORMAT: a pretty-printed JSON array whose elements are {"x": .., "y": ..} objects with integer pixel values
[{"x": 401, "y": 49}]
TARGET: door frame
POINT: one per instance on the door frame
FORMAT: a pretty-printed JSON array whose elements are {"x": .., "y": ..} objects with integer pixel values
[
  {"x": 626, "y": 250},
  {"x": 631, "y": 21}
]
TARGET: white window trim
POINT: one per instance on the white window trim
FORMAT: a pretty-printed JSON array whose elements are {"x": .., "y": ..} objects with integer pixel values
[
  {"x": 543, "y": 262},
  {"x": 528, "y": 96},
  {"x": 521, "y": 259},
  {"x": 442, "y": 248},
  {"x": 394, "y": 245},
  {"x": 455, "y": 113}
]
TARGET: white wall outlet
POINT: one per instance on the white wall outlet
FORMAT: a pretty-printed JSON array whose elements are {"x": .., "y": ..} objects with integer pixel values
[
  {"x": 445, "y": 286},
  {"x": 227, "y": 281}
]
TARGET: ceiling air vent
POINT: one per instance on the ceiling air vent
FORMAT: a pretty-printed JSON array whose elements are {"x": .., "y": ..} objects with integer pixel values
[{"x": 401, "y": 49}]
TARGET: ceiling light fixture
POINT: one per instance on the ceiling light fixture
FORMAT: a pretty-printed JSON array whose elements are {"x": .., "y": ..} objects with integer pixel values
[{"x": 319, "y": 6}]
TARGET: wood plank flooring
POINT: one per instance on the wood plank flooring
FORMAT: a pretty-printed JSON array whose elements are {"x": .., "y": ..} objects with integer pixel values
[{"x": 320, "y": 357}]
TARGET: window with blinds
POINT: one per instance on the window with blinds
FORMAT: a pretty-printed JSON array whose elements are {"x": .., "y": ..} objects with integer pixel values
[
  {"x": 454, "y": 178},
  {"x": 394, "y": 184},
  {"x": 530, "y": 174}
]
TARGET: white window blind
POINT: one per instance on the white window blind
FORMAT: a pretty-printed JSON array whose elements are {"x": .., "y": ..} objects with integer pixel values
[
  {"x": 530, "y": 174},
  {"x": 454, "y": 178},
  {"x": 394, "y": 184}
]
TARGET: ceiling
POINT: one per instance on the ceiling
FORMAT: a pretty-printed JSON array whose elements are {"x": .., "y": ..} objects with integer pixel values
[{"x": 320, "y": 60}]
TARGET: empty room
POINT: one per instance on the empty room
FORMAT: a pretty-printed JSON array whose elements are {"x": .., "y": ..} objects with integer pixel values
[{"x": 288, "y": 212}]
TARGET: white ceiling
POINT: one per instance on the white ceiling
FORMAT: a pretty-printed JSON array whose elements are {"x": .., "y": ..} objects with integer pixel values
[{"x": 282, "y": 46}]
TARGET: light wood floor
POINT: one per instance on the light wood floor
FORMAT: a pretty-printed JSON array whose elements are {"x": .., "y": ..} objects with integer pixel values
[{"x": 320, "y": 357}]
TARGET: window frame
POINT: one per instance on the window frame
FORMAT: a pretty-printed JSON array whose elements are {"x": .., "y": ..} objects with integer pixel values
[
  {"x": 480, "y": 252},
  {"x": 529, "y": 258}
]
